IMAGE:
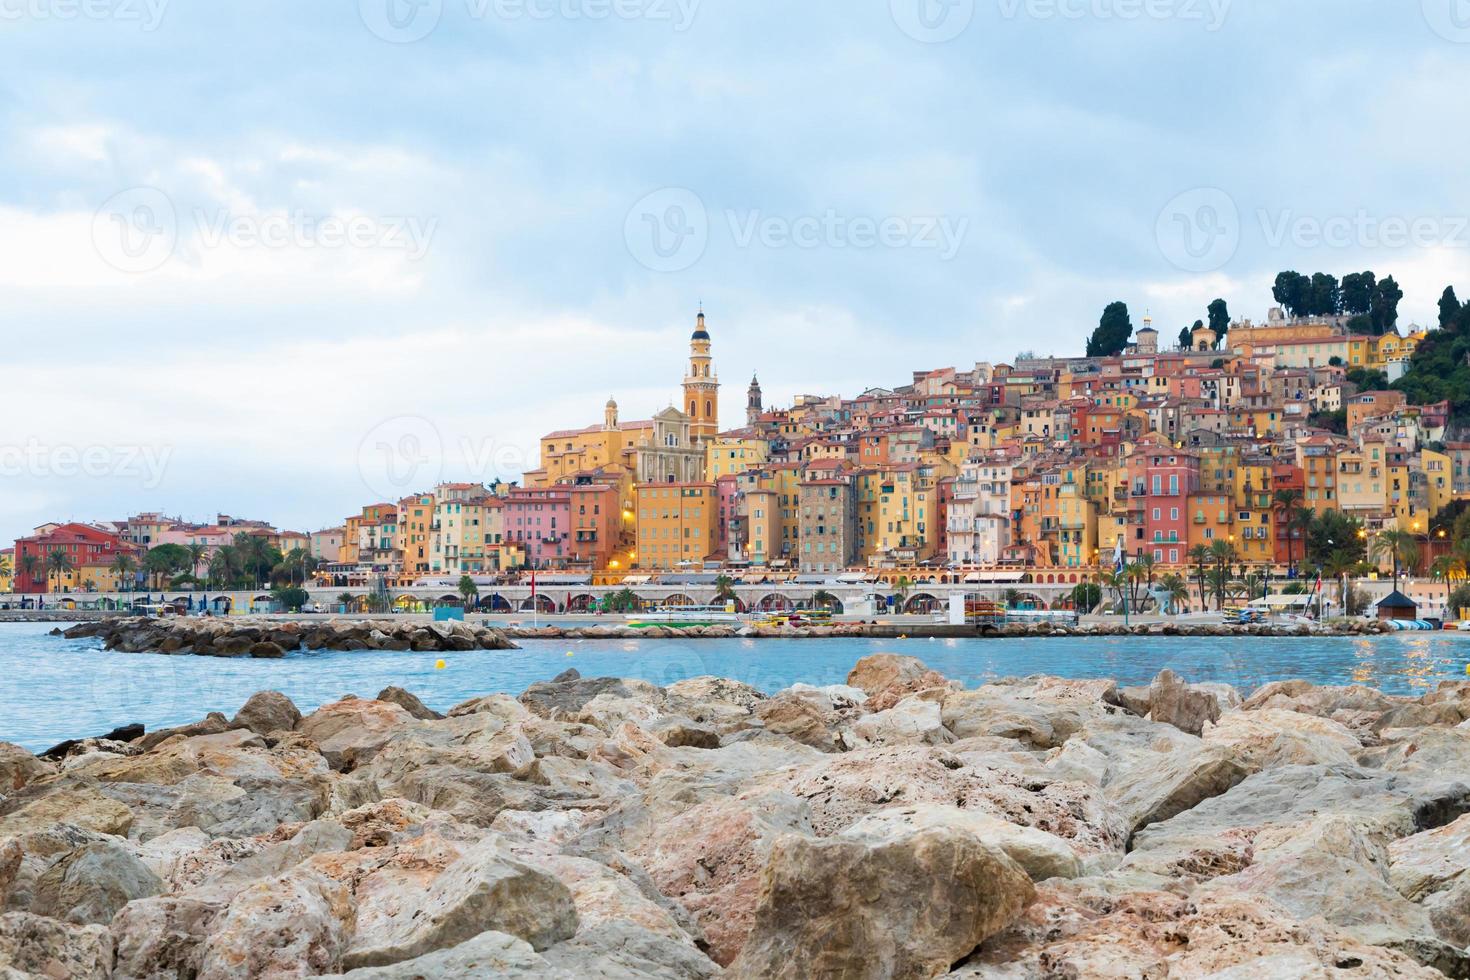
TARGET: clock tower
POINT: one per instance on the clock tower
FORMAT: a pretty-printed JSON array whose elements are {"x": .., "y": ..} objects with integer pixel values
[{"x": 702, "y": 386}]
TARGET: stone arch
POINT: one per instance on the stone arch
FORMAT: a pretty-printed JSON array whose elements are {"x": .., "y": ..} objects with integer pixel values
[
  {"x": 498, "y": 603},
  {"x": 774, "y": 602},
  {"x": 581, "y": 603},
  {"x": 921, "y": 603},
  {"x": 1030, "y": 600},
  {"x": 678, "y": 599},
  {"x": 543, "y": 603}
]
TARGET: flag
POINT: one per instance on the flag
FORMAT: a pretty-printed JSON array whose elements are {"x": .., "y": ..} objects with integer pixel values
[{"x": 1119, "y": 562}]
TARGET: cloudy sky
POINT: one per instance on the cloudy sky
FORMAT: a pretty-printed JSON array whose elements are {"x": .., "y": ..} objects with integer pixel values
[{"x": 280, "y": 259}]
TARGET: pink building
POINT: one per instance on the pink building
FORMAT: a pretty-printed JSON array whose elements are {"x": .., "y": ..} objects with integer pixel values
[
  {"x": 1160, "y": 480},
  {"x": 540, "y": 521},
  {"x": 727, "y": 490}
]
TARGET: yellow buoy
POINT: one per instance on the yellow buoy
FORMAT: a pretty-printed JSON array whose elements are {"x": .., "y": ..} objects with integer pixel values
[
  {"x": 1467, "y": 668},
  {"x": 438, "y": 665},
  {"x": 569, "y": 653}
]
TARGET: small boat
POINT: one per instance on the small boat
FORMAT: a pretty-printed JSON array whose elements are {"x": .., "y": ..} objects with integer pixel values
[{"x": 685, "y": 616}]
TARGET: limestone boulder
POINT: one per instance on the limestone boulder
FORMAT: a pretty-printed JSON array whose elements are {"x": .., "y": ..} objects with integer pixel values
[
  {"x": 1173, "y": 702},
  {"x": 266, "y": 712},
  {"x": 483, "y": 889},
  {"x": 910, "y": 906},
  {"x": 34, "y": 946},
  {"x": 91, "y": 884},
  {"x": 489, "y": 954},
  {"x": 801, "y": 720},
  {"x": 1433, "y": 869},
  {"x": 911, "y": 721},
  {"x": 162, "y": 936},
  {"x": 1039, "y": 854},
  {"x": 624, "y": 951},
  {"x": 408, "y": 702},
  {"x": 349, "y": 733},
  {"x": 79, "y": 803},
  {"x": 1267, "y": 738},
  {"x": 293, "y": 926},
  {"x": 709, "y": 858},
  {"x": 18, "y": 767}
]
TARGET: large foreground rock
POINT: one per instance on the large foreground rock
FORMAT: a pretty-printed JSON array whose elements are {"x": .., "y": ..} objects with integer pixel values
[
  {"x": 92, "y": 884},
  {"x": 907, "y": 907},
  {"x": 484, "y": 889}
]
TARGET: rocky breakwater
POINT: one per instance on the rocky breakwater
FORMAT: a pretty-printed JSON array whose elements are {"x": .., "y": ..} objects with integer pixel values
[
  {"x": 894, "y": 826},
  {"x": 265, "y": 638},
  {"x": 919, "y": 630}
]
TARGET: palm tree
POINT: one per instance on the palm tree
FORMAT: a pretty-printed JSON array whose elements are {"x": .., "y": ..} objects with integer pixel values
[
  {"x": 1400, "y": 547},
  {"x": 347, "y": 601},
  {"x": 1174, "y": 588},
  {"x": 468, "y": 590},
  {"x": 58, "y": 563},
  {"x": 1201, "y": 557},
  {"x": 7, "y": 567},
  {"x": 1116, "y": 582},
  {"x": 724, "y": 588},
  {"x": 29, "y": 566},
  {"x": 901, "y": 591},
  {"x": 125, "y": 567},
  {"x": 1286, "y": 501},
  {"x": 196, "y": 557},
  {"x": 822, "y": 599},
  {"x": 1219, "y": 581},
  {"x": 1448, "y": 568},
  {"x": 1339, "y": 565}
]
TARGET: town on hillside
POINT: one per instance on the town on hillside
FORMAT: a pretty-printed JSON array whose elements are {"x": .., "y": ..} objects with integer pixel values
[{"x": 1321, "y": 443}]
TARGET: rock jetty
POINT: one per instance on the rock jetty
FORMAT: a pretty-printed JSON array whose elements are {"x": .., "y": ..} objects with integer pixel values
[
  {"x": 270, "y": 638},
  {"x": 273, "y": 639},
  {"x": 896, "y": 826}
]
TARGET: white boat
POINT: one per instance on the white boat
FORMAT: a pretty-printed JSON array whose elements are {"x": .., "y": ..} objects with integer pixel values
[{"x": 685, "y": 616}]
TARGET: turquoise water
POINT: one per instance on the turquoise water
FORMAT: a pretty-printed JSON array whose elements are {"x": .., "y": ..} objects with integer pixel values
[{"x": 55, "y": 689}]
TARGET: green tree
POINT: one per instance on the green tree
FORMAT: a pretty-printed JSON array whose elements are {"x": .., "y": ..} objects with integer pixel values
[
  {"x": 468, "y": 591},
  {"x": 29, "y": 566},
  {"x": 1326, "y": 295},
  {"x": 1219, "y": 314},
  {"x": 1201, "y": 557},
  {"x": 125, "y": 567},
  {"x": 164, "y": 561},
  {"x": 1186, "y": 338},
  {"x": 290, "y": 597},
  {"x": 1333, "y": 531},
  {"x": 724, "y": 589},
  {"x": 822, "y": 599},
  {"x": 1357, "y": 293},
  {"x": 347, "y": 601},
  {"x": 196, "y": 557},
  {"x": 1385, "y": 310},
  {"x": 1292, "y": 292},
  {"x": 1113, "y": 331},
  {"x": 1174, "y": 588},
  {"x": 58, "y": 564},
  {"x": 1399, "y": 547},
  {"x": 1449, "y": 307},
  {"x": 1086, "y": 596},
  {"x": 1288, "y": 502}
]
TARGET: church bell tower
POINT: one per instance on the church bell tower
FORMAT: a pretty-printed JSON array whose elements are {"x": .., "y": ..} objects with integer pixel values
[{"x": 702, "y": 386}]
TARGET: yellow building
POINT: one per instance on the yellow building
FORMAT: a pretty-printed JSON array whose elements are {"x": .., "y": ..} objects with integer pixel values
[
  {"x": 1076, "y": 517},
  {"x": 678, "y": 524},
  {"x": 729, "y": 456},
  {"x": 903, "y": 527},
  {"x": 415, "y": 535},
  {"x": 762, "y": 510}
]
